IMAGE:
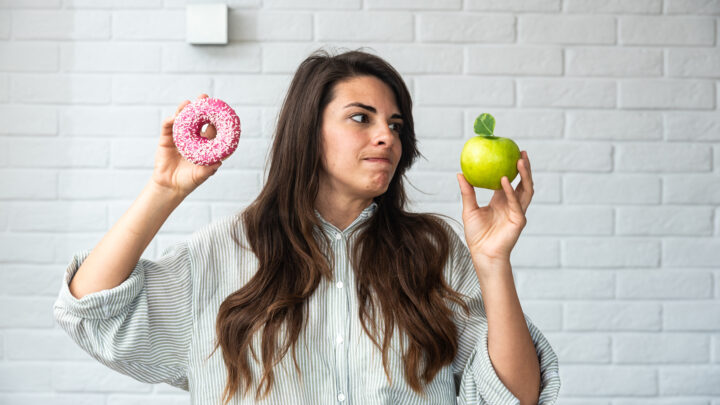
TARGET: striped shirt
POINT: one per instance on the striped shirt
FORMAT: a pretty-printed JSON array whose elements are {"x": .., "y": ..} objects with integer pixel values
[{"x": 158, "y": 326}]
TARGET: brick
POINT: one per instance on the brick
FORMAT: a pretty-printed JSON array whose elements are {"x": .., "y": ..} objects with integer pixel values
[
  {"x": 61, "y": 24},
  {"x": 666, "y": 31},
  {"x": 619, "y": 62},
  {"x": 30, "y": 4},
  {"x": 609, "y": 380},
  {"x": 513, "y": 5},
  {"x": 701, "y": 7},
  {"x": 563, "y": 220},
  {"x": 110, "y": 57},
  {"x": 716, "y": 348},
  {"x": 101, "y": 184},
  {"x": 466, "y": 27},
  {"x": 580, "y": 347},
  {"x": 569, "y": 156},
  {"x": 230, "y": 58},
  {"x": 664, "y": 285},
  {"x": 25, "y": 312},
  {"x": 514, "y": 60},
  {"x": 284, "y": 58},
  {"x": 253, "y": 90},
  {"x": 57, "y": 216},
  {"x": 433, "y": 187},
  {"x": 562, "y": 92},
  {"x": 614, "y": 6},
  {"x": 28, "y": 56},
  {"x": 28, "y": 120},
  {"x": 700, "y": 315},
  {"x": 74, "y": 398},
  {"x": 546, "y": 188},
  {"x": 28, "y": 184},
  {"x": 690, "y": 380},
  {"x": 547, "y": 316},
  {"x": 124, "y": 4},
  {"x": 614, "y": 125},
  {"x": 660, "y": 348},
  {"x": 536, "y": 252},
  {"x": 612, "y": 315},
  {"x": 670, "y": 94},
  {"x": 664, "y": 220},
  {"x": 4, "y": 88},
  {"x": 440, "y": 155},
  {"x": 439, "y": 90},
  {"x": 171, "y": 89},
  {"x": 25, "y": 377},
  {"x": 694, "y": 62},
  {"x": 414, "y": 4},
  {"x": 5, "y": 24},
  {"x": 43, "y": 345},
  {"x": 353, "y": 26},
  {"x": 565, "y": 284},
  {"x": 422, "y": 58},
  {"x": 692, "y": 126},
  {"x": 146, "y": 24},
  {"x": 313, "y": 4},
  {"x": 610, "y": 252},
  {"x": 664, "y": 158},
  {"x": 439, "y": 123},
  {"x": 238, "y": 186},
  {"x": 611, "y": 189},
  {"x": 566, "y": 29},
  {"x": 30, "y": 280},
  {"x": 81, "y": 376},
  {"x": 269, "y": 26},
  {"x": 110, "y": 121},
  {"x": 60, "y": 89},
  {"x": 36, "y": 153},
  {"x": 691, "y": 252},
  {"x": 661, "y": 401},
  {"x": 695, "y": 189}
]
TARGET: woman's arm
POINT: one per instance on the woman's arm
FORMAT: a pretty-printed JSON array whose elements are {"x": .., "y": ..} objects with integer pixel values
[{"x": 510, "y": 346}]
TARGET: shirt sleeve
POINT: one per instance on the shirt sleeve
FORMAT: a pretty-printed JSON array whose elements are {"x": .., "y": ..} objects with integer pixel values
[
  {"x": 141, "y": 328},
  {"x": 475, "y": 377}
]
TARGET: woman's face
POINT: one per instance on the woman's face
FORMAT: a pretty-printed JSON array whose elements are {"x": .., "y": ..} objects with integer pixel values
[{"x": 360, "y": 139}]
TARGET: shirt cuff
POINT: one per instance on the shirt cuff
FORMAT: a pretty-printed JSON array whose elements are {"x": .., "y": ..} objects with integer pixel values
[
  {"x": 491, "y": 388},
  {"x": 101, "y": 304}
]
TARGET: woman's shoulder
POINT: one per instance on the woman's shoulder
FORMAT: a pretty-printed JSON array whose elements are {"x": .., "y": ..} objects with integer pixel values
[{"x": 221, "y": 233}]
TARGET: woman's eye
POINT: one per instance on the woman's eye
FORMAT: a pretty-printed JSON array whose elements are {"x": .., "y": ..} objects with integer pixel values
[
  {"x": 398, "y": 127},
  {"x": 352, "y": 117}
]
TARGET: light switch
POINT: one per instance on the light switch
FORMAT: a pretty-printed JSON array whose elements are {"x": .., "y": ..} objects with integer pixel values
[{"x": 206, "y": 23}]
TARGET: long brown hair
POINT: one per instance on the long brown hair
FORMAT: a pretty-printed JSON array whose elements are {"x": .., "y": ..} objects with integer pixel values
[{"x": 398, "y": 260}]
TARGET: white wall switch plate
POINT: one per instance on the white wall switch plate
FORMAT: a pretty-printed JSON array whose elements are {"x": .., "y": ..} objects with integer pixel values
[{"x": 206, "y": 23}]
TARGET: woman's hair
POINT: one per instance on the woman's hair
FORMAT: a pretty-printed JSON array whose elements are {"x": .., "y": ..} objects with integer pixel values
[{"x": 398, "y": 258}]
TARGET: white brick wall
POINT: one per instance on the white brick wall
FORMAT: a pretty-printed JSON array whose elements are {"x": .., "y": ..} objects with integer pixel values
[{"x": 615, "y": 101}]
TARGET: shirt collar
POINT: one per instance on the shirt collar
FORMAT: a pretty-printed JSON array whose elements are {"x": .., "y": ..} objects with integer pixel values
[{"x": 332, "y": 230}]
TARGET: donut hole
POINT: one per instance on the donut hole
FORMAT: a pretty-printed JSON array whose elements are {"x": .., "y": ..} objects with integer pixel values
[{"x": 208, "y": 131}]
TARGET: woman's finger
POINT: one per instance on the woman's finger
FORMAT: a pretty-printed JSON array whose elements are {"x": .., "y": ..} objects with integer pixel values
[
  {"x": 469, "y": 201},
  {"x": 510, "y": 195}
]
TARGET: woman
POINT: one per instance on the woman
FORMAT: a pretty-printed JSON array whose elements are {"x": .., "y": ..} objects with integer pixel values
[{"x": 325, "y": 289}]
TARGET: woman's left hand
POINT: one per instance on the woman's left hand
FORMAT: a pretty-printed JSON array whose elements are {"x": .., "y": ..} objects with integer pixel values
[{"x": 492, "y": 231}]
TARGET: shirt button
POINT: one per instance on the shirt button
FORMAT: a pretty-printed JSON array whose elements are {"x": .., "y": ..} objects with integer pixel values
[
  {"x": 339, "y": 284},
  {"x": 339, "y": 340},
  {"x": 338, "y": 236},
  {"x": 341, "y": 397}
]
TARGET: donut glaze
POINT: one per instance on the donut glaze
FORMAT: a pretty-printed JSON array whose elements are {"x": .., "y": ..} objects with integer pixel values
[{"x": 200, "y": 150}]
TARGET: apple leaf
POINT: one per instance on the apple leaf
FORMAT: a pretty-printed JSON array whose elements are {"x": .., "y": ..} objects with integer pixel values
[{"x": 484, "y": 124}]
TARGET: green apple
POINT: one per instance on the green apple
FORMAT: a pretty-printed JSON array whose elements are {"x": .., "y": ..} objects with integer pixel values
[{"x": 486, "y": 158}]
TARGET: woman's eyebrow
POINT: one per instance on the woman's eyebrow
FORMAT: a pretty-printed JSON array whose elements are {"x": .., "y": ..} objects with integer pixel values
[{"x": 370, "y": 108}]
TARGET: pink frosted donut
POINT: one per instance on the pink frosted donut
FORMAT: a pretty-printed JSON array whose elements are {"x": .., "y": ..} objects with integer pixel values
[{"x": 187, "y": 126}]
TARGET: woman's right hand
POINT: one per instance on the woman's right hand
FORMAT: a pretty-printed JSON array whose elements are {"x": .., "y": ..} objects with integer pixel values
[{"x": 172, "y": 171}]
